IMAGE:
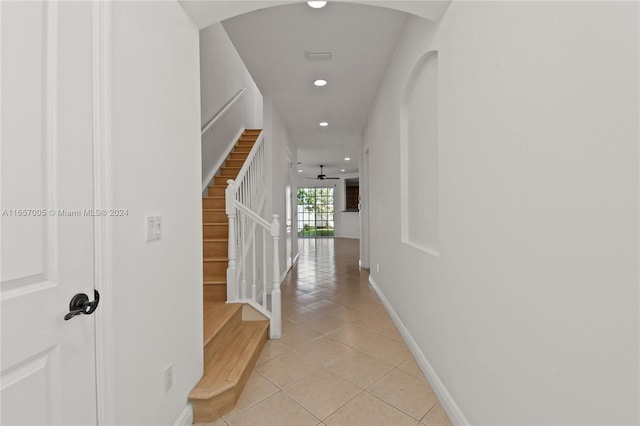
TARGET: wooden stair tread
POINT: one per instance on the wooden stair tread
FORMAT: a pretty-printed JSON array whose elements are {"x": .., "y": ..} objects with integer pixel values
[
  {"x": 226, "y": 368},
  {"x": 231, "y": 346},
  {"x": 216, "y": 316}
]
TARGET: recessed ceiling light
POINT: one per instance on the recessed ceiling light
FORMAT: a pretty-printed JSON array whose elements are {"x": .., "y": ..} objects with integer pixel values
[
  {"x": 342, "y": 170},
  {"x": 299, "y": 171},
  {"x": 347, "y": 158},
  {"x": 320, "y": 83},
  {"x": 323, "y": 124},
  {"x": 317, "y": 4}
]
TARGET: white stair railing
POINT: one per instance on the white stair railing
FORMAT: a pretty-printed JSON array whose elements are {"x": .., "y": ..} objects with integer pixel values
[{"x": 247, "y": 272}]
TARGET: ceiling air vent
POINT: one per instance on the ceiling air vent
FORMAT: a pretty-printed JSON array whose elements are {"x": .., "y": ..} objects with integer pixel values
[{"x": 317, "y": 56}]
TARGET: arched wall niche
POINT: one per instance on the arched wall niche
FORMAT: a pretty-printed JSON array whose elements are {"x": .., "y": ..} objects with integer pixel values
[{"x": 419, "y": 186}]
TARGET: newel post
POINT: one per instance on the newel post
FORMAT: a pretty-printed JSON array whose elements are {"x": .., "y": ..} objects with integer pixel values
[
  {"x": 275, "y": 330},
  {"x": 230, "y": 207}
]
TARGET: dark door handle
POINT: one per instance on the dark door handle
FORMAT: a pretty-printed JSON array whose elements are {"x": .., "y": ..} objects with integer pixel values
[{"x": 80, "y": 305}]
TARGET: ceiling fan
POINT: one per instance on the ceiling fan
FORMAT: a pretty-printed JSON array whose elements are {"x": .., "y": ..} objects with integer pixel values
[{"x": 322, "y": 176}]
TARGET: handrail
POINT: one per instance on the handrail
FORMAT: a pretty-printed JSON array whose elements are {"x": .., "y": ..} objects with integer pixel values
[
  {"x": 261, "y": 221},
  {"x": 223, "y": 111}
]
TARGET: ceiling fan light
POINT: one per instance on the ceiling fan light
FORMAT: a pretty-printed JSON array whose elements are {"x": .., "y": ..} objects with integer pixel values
[
  {"x": 323, "y": 124},
  {"x": 317, "y": 4},
  {"x": 320, "y": 82},
  {"x": 347, "y": 159}
]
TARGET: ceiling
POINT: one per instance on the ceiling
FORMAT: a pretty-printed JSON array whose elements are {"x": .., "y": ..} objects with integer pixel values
[{"x": 272, "y": 43}]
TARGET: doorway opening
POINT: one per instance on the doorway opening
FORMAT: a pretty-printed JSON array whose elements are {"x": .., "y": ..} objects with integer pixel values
[{"x": 315, "y": 213}]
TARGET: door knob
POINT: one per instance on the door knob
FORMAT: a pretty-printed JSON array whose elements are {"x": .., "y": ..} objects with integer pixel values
[{"x": 80, "y": 305}]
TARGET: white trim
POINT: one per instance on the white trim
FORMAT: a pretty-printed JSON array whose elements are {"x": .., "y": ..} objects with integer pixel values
[
  {"x": 286, "y": 272},
  {"x": 433, "y": 252},
  {"x": 365, "y": 226},
  {"x": 105, "y": 398},
  {"x": 186, "y": 417},
  {"x": 50, "y": 168},
  {"x": 446, "y": 400},
  {"x": 223, "y": 111},
  {"x": 223, "y": 158},
  {"x": 255, "y": 305}
]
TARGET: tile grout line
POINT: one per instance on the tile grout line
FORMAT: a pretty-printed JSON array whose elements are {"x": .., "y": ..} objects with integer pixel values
[{"x": 335, "y": 290}]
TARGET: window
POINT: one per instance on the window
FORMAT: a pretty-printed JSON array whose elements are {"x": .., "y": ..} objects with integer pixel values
[{"x": 315, "y": 212}]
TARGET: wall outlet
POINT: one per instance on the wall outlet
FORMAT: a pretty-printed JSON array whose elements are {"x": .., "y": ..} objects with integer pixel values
[
  {"x": 377, "y": 267},
  {"x": 168, "y": 378}
]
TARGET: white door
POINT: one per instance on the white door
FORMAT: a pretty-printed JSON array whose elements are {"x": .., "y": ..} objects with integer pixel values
[{"x": 47, "y": 369}]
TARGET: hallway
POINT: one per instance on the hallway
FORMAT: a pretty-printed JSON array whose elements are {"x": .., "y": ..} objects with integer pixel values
[{"x": 340, "y": 360}]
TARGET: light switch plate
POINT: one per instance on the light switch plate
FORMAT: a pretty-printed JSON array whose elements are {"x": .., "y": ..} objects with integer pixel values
[{"x": 153, "y": 226}]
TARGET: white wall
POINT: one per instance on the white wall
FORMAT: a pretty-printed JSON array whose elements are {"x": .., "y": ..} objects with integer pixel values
[
  {"x": 281, "y": 155},
  {"x": 155, "y": 134},
  {"x": 222, "y": 75},
  {"x": 530, "y": 313}
]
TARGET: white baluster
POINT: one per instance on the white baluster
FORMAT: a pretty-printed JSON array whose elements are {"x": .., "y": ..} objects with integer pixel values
[
  {"x": 275, "y": 328},
  {"x": 243, "y": 272},
  {"x": 250, "y": 189},
  {"x": 262, "y": 168},
  {"x": 244, "y": 190},
  {"x": 253, "y": 184},
  {"x": 265, "y": 290},
  {"x": 253, "y": 269},
  {"x": 230, "y": 209}
]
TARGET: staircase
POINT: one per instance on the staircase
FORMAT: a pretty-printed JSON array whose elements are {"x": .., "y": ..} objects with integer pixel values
[{"x": 231, "y": 345}]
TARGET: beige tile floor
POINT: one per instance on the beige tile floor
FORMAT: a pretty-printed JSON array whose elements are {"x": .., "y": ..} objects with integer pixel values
[{"x": 340, "y": 360}]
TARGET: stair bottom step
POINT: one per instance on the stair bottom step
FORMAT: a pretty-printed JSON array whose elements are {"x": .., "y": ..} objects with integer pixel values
[{"x": 227, "y": 372}]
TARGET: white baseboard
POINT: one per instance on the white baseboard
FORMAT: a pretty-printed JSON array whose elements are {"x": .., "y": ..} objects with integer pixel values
[
  {"x": 284, "y": 274},
  {"x": 446, "y": 400},
  {"x": 186, "y": 417}
]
